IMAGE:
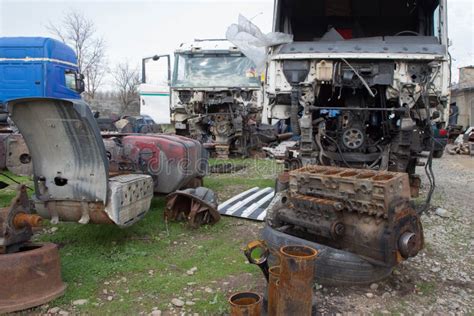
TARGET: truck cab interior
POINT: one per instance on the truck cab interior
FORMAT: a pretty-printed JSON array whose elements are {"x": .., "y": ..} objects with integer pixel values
[{"x": 352, "y": 19}]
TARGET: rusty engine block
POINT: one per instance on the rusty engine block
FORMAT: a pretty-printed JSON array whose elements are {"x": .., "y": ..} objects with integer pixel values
[{"x": 368, "y": 213}]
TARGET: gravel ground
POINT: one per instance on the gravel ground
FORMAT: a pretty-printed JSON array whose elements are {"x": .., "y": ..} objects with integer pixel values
[{"x": 439, "y": 281}]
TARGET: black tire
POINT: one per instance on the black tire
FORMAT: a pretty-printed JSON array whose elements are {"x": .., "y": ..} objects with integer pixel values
[
  {"x": 438, "y": 154},
  {"x": 333, "y": 267}
]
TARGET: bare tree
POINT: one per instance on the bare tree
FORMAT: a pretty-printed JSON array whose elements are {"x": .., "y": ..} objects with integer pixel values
[
  {"x": 79, "y": 32},
  {"x": 126, "y": 80}
]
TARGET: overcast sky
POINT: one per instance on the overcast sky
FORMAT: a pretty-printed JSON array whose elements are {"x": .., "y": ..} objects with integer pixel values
[{"x": 136, "y": 29}]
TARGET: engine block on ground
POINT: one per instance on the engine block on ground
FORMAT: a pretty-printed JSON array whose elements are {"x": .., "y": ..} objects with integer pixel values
[{"x": 365, "y": 212}]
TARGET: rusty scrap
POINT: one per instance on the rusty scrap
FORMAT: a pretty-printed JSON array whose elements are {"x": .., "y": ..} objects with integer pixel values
[
  {"x": 460, "y": 149},
  {"x": 295, "y": 285},
  {"x": 23, "y": 220},
  {"x": 273, "y": 290},
  {"x": 30, "y": 277},
  {"x": 30, "y": 273},
  {"x": 195, "y": 206},
  {"x": 12, "y": 234},
  {"x": 245, "y": 304},
  {"x": 334, "y": 204}
]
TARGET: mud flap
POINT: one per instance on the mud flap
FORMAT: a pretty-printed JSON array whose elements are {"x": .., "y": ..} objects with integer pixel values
[{"x": 69, "y": 161}]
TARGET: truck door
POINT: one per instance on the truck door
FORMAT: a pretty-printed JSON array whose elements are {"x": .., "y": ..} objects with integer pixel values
[
  {"x": 21, "y": 79},
  {"x": 154, "y": 91}
]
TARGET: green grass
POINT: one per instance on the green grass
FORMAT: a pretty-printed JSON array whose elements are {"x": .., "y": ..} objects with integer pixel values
[
  {"x": 145, "y": 266},
  {"x": 426, "y": 288}
]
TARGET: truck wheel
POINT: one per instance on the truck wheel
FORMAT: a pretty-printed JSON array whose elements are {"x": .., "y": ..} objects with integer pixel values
[
  {"x": 438, "y": 153},
  {"x": 333, "y": 267}
]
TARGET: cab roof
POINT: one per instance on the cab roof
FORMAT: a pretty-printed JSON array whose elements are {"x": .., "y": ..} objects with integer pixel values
[
  {"x": 36, "y": 47},
  {"x": 207, "y": 45}
]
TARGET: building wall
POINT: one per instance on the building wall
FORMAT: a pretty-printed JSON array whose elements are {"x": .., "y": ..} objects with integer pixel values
[
  {"x": 466, "y": 76},
  {"x": 463, "y": 95},
  {"x": 464, "y": 100}
]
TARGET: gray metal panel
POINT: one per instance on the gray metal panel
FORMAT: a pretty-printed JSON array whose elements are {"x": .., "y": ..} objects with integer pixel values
[
  {"x": 386, "y": 45},
  {"x": 251, "y": 204},
  {"x": 64, "y": 141}
]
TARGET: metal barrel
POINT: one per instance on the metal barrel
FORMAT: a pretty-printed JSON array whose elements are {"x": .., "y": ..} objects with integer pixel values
[
  {"x": 273, "y": 283},
  {"x": 245, "y": 304},
  {"x": 296, "y": 280}
]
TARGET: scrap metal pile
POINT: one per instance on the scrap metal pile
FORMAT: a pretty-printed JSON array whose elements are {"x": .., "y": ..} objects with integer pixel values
[
  {"x": 30, "y": 272},
  {"x": 464, "y": 144},
  {"x": 289, "y": 282}
]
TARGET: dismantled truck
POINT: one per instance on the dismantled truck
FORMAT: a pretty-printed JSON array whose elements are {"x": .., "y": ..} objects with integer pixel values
[
  {"x": 216, "y": 98},
  {"x": 364, "y": 85},
  {"x": 79, "y": 174},
  {"x": 364, "y": 82}
]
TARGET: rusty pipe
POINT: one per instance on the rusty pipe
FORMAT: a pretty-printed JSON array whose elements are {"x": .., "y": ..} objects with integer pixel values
[
  {"x": 245, "y": 304},
  {"x": 23, "y": 220},
  {"x": 296, "y": 280},
  {"x": 273, "y": 290}
]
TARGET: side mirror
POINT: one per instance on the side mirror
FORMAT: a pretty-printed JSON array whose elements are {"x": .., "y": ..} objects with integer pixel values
[{"x": 80, "y": 86}]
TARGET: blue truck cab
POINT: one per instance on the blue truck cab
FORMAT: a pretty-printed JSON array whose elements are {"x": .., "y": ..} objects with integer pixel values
[{"x": 38, "y": 67}]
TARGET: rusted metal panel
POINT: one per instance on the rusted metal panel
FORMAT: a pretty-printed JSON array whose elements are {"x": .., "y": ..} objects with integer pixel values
[
  {"x": 245, "y": 304},
  {"x": 295, "y": 287},
  {"x": 30, "y": 277},
  {"x": 334, "y": 204}
]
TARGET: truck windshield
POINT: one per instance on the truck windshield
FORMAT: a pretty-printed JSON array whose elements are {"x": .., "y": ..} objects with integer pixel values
[
  {"x": 312, "y": 20},
  {"x": 216, "y": 70}
]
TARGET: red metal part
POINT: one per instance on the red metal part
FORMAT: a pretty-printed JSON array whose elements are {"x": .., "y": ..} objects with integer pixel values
[
  {"x": 172, "y": 161},
  {"x": 245, "y": 304},
  {"x": 30, "y": 277},
  {"x": 296, "y": 280}
]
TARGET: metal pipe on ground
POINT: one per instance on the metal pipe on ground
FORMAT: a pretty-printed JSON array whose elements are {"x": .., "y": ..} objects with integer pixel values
[
  {"x": 245, "y": 304},
  {"x": 296, "y": 280},
  {"x": 273, "y": 291}
]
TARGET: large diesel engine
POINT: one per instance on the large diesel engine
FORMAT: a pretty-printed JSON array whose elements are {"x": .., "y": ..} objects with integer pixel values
[{"x": 364, "y": 212}]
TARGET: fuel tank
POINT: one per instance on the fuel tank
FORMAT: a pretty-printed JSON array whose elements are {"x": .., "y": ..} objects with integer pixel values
[{"x": 174, "y": 162}]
